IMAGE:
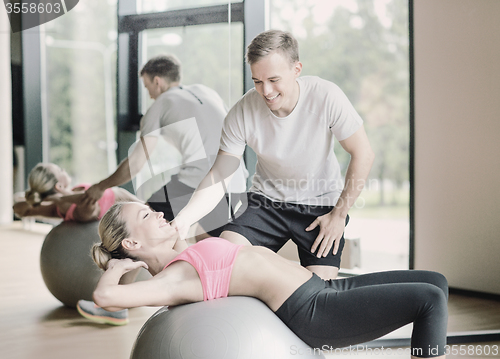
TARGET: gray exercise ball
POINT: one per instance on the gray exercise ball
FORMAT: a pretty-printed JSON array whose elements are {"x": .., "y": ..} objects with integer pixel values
[
  {"x": 225, "y": 328},
  {"x": 67, "y": 267}
]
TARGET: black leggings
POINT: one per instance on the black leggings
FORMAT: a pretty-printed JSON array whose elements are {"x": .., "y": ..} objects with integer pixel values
[{"x": 343, "y": 312}]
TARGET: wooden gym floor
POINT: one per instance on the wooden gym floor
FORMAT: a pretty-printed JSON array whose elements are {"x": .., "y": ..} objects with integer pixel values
[{"x": 33, "y": 324}]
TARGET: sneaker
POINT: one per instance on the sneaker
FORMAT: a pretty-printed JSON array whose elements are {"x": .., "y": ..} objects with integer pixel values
[{"x": 91, "y": 311}]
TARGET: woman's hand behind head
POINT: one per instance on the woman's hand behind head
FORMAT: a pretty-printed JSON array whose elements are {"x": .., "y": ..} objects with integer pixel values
[{"x": 126, "y": 265}]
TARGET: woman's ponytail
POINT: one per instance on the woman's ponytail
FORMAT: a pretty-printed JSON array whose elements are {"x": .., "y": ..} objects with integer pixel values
[
  {"x": 112, "y": 231},
  {"x": 101, "y": 256},
  {"x": 33, "y": 197}
]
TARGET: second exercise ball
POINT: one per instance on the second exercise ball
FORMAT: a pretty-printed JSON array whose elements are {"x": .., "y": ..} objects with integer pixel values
[{"x": 66, "y": 264}]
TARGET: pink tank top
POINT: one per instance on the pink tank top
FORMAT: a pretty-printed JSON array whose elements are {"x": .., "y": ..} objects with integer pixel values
[
  {"x": 105, "y": 203},
  {"x": 213, "y": 259}
]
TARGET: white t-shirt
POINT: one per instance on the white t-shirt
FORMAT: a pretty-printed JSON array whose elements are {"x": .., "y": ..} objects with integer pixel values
[
  {"x": 295, "y": 158},
  {"x": 189, "y": 118}
]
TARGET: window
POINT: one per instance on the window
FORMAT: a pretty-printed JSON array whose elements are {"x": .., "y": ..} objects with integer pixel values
[
  {"x": 363, "y": 46},
  {"x": 209, "y": 46},
  {"x": 204, "y": 53},
  {"x": 78, "y": 89}
]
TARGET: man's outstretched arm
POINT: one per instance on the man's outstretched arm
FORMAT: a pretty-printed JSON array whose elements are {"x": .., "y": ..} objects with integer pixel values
[
  {"x": 209, "y": 192},
  {"x": 126, "y": 170}
]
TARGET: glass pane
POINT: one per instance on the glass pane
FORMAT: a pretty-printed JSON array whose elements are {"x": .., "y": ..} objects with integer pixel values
[
  {"x": 150, "y": 6},
  {"x": 79, "y": 75},
  {"x": 211, "y": 55},
  {"x": 204, "y": 53},
  {"x": 362, "y": 46}
]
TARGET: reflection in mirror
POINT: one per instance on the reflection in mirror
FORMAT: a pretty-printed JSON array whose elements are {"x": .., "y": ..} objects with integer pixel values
[{"x": 203, "y": 55}]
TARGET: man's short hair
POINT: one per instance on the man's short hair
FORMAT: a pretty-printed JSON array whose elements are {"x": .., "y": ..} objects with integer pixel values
[
  {"x": 273, "y": 40},
  {"x": 165, "y": 66}
]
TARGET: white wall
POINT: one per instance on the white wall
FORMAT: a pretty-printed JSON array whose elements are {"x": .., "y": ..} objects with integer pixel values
[
  {"x": 457, "y": 141},
  {"x": 6, "y": 167}
]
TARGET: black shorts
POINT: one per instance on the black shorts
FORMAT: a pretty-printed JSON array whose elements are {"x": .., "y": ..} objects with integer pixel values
[
  {"x": 175, "y": 195},
  {"x": 271, "y": 224}
]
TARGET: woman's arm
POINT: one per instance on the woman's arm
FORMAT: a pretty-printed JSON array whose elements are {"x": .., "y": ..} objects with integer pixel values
[
  {"x": 112, "y": 296},
  {"x": 83, "y": 212},
  {"x": 70, "y": 198},
  {"x": 24, "y": 209}
]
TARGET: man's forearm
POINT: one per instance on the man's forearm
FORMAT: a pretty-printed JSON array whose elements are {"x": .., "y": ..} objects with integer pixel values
[
  {"x": 121, "y": 176},
  {"x": 204, "y": 199},
  {"x": 211, "y": 189},
  {"x": 356, "y": 175},
  {"x": 132, "y": 165}
]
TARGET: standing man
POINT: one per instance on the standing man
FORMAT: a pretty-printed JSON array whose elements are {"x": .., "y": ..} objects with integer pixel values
[
  {"x": 190, "y": 119},
  {"x": 298, "y": 192}
]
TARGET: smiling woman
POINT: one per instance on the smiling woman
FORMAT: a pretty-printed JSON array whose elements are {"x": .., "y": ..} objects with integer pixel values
[
  {"x": 133, "y": 236},
  {"x": 130, "y": 231}
]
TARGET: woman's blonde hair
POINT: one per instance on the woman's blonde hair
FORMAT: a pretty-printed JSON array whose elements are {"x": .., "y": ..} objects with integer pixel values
[
  {"x": 112, "y": 231},
  {"x": 42, "y": 181}
]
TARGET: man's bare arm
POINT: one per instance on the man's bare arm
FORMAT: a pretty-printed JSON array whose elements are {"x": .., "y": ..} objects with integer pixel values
[
  {"x": 126, "y": 170},
  {"x": 209, "y": 192},
  {"x": 332, "y": 224}
]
